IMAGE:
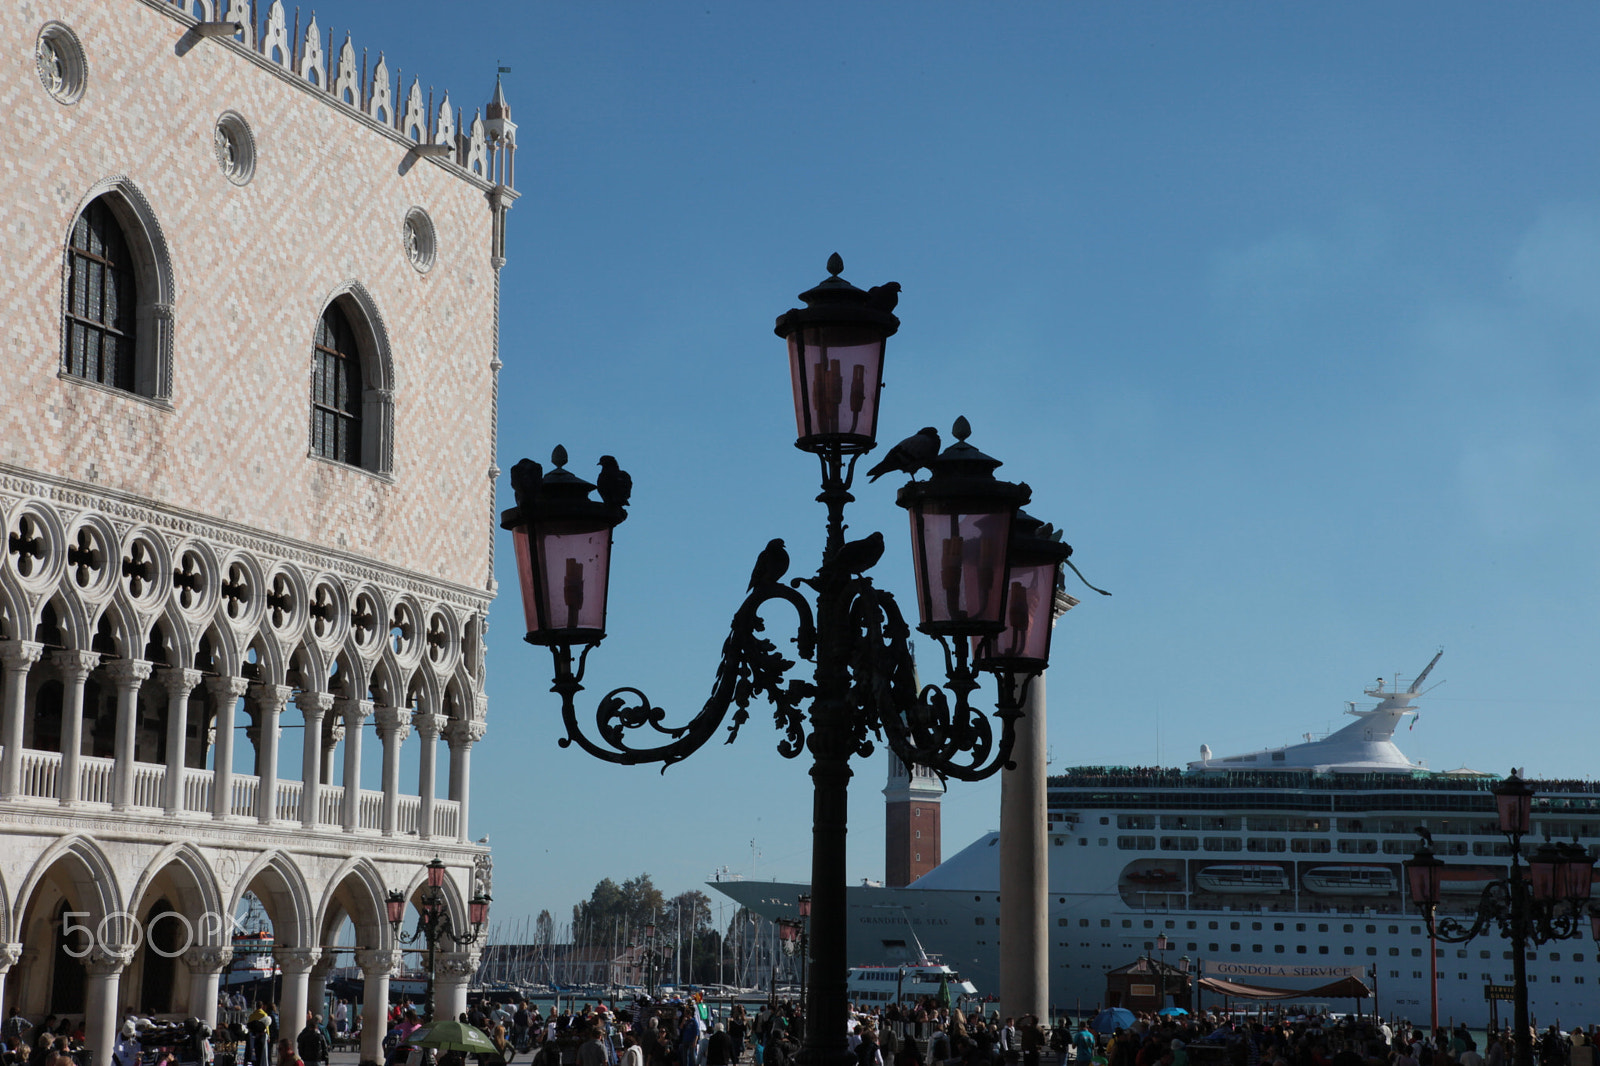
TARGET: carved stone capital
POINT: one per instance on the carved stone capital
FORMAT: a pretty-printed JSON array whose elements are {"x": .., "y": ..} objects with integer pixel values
[
  {"x": 354, "y": 712},
  {"x": 335, "y": 732},
  {"x": 457, "y": 965},
  {"x": 271, "y": 698},
  {"x": 10, "y": 955},
  {"x": 296, "y": 960},
  {"x": 207, "y": 959},
  {"x": 17, "y": 656},
  {"x": 105, "y": 960},
  {"x": 129, "y": 673},
  {"x": 314, "y": 704},
  {"x": 75, "y": 666},
  {"x": 464, "y": 731},
  {"x": 227, "y": 687},
  {"x": 394, "y": 722},
  {"x": 181, "y": 682},
  {"x": 374, "y": 962},
  {"x": 429, "y": 725}
]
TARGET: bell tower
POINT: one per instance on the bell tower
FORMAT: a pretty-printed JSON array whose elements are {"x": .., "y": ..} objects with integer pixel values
[{"x": 911, "y": 822}]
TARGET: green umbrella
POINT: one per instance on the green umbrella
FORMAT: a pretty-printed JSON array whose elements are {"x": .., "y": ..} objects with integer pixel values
[
  {"x": 944, "y": 990},
  {"x": 453, "y": 1036}
]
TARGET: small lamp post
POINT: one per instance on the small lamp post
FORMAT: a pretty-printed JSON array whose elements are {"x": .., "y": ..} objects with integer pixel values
[
  {"x": 433, "y": 922},
  {"x": 1548, "y": 902},
  {"x": 864, "y": 682},
  {"x": 1161, "y": 946}
]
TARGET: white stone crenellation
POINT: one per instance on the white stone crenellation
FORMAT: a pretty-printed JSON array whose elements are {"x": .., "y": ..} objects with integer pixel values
[{"x": 481, "y": 150}]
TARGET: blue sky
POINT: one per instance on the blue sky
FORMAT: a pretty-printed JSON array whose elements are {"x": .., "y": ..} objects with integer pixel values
[{"x": 1287, "y": 312}]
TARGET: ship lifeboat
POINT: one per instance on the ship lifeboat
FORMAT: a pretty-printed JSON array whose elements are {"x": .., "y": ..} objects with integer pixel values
[
  {"x": 1242, "y": 878},
  {"x": 1157, "y": 877},
  {"x": 1350, "y": 880}
]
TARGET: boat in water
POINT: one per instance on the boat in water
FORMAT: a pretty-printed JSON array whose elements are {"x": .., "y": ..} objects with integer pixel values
[{"x": 1274, "y": 865}]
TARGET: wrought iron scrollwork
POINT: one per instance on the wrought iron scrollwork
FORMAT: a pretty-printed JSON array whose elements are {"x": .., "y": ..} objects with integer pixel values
[{"x": 751, "y": 666}]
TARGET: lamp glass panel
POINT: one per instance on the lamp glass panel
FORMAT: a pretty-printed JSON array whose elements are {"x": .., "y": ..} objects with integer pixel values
[
  {"x": 1029, "y": 601},
  {"x": 1515, "y": 809},
  {"x": 525, "y": 577},
  {"x": 397, "y": 910},
  {"x": 1580, "y": 880},
  {"x": 574, "y": 565},
  {"x": 835, "y": 372},
  {"x": 478, "y": 911},
  {"x": 1542, "y": 871},
  {"x": 1423, "y": 880},
  {"x": 435, "y": 874},
  {"x": 961, "y": 571}
]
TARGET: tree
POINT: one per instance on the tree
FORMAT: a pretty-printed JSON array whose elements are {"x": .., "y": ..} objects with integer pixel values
[
  {"x": 544, "y": 928},
  {"x": 618, "y": 911}
]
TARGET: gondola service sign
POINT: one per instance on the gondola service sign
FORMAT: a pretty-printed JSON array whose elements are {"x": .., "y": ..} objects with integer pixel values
[{"x": 1212, "y": 968}]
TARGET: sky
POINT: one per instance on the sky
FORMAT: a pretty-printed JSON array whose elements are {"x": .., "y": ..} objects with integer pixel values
[{"x": 1288, "y": 313}]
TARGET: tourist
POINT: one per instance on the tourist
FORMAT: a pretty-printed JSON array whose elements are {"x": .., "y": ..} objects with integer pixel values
[
  {"x": 311, "y": 1043},
  {"x": 286, "y": 1055},
  {"x": 126, "y": 1051}
]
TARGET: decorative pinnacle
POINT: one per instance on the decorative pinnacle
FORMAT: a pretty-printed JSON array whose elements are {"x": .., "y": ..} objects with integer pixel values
[
  {"x": 962, "y": 429},
  {"x": 559, "y": 456},
  {"x": 835, "y": 264}
]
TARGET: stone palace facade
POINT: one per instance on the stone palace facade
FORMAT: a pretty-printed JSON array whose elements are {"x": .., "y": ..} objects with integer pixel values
[{"x": 246, "y": 501}]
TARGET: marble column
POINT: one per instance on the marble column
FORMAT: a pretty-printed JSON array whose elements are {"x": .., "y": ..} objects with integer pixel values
[
  {"x": 9, "y": 956},
  {"x": 462, "y": 735},
  {"x": 451, "y": 974},
  {"x": 18, "y": 657},
  {"x": 296, "y": 964},
  {"x": 180, "y": 683},
  {"x": 317, "y": 988},
  {"x": 75, "y": 667},
  {"x": 103, "y": 972},
  {"x": 226, "y": 692},
  {"x": 332, "y": 736},
  {"x": 376, "y": 966},
  {"x": 270, "y": 701},
  {"x": 1025, "y": 862},
  {"x": 206, "y": 964},
  {"x": 394, "y": 725},
  {"x": 313, "y": 705},
  {"x": 355, "y": 713},
  {"x": 127, "y": 675},
  {"x": 429, "y": 726}
]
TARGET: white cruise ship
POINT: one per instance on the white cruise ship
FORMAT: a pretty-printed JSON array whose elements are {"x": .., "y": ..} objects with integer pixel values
[{"x": 1286, "y": 857}]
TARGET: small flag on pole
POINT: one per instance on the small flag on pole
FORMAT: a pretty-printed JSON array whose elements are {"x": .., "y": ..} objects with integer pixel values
[{"x": 505, "y": 70}]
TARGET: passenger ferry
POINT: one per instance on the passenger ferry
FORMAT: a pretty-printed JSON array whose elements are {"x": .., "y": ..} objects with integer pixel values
[
  {"x": 879, "y": 986},
  {"x": 1274, "y": 862}
]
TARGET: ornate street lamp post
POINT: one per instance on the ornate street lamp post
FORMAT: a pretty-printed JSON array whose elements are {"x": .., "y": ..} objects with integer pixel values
[
  {"x": 1548, "y": 903},
  {"x": 796, "y": 936},
  {"x": 987, "y": 607},
  {"x": 433, "y": 922}
]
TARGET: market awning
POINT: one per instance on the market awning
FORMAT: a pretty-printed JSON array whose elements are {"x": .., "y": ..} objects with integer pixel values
[{"x": 1344, "y": 988}]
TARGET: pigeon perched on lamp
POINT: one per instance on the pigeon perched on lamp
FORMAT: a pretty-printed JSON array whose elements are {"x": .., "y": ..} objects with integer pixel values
[
  {"x": 910, "y": 455},
  {"x": 771, "y": 564},
  {"x": 614, "y": 483}
]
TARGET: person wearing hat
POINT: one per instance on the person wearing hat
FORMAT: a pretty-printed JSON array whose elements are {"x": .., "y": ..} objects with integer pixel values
[{"x": 126, "y": 1051}]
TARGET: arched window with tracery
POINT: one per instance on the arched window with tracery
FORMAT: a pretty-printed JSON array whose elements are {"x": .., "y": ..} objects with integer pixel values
[
  {"x": 102, "y": 298},
  {"x": 336, "y": 390},
  {"x": 117, "y": 293}
]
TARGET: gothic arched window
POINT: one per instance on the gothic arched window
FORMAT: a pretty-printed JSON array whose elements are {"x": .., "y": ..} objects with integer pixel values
[
  {"x": 116, "y": 324},
  {"x": 102, "y": 298},
  {"x": 351, "y": 384},
  {"x": 336, "y": 390}
]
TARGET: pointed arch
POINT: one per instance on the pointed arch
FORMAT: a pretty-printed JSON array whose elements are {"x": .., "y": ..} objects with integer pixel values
[
  {"x": 344, "y": 364},
  {"x": 357, "y": 891},
  {"x": 198, "y": 888},
  {"x": 115, "y": 248},
  {"x": 282, "y": 890},
  {"x": 88, "y": 870}
]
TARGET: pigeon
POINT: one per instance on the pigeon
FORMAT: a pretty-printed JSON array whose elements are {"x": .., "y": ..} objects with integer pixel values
[
  {"x": 1425, "y": 833},
  {"x": 614, "y": 483},
  {"x": 884, "y": 297},
  {"x": 910, "y": 455},
  {"x": 859, "y": 556},
  {"x": 771, "y": 564},
  {"x": 525, "y": 478}
]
